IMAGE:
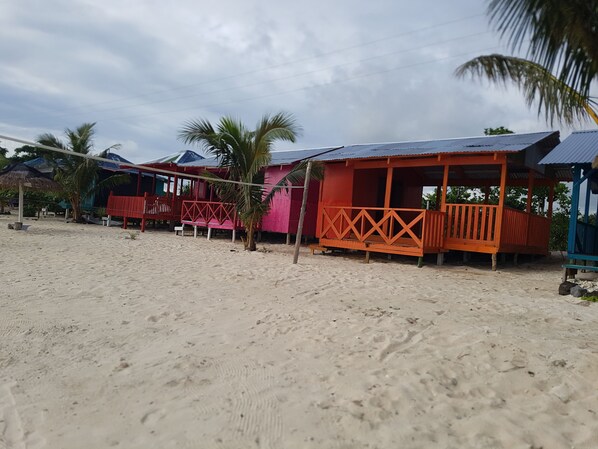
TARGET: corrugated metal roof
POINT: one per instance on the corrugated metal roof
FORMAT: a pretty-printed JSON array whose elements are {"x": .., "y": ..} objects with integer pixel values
[
  {"x": 180, "y": 157},
  {"x": 278, "y": 157},
  {"x": 511, "y": 143},
  {"x": 581, "y": 147}
]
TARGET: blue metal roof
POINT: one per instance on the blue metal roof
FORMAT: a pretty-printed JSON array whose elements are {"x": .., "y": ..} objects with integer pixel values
[
  {"x": 278, "y": 157},
  {"x": 180, "y": 157},
  {"x": 581, "y": 147},
  {"x": 510, "y": 143}
]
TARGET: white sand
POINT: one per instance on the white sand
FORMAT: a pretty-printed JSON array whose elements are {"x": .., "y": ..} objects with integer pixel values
[{"x": 171, "y": 342}]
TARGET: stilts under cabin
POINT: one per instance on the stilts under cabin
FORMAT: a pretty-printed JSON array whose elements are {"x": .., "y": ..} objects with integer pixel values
[{"x": 371, "y": 196}]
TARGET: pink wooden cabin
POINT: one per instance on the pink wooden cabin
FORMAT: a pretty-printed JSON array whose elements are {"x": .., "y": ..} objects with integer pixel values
[{"x": 206, "y": 211}]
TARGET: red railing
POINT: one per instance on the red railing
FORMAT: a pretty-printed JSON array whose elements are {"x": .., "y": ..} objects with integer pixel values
[
  {"x": 377, "y": 228},
  {"x": 210, "y": 214},
  {"x": 152, "y": 207},
  {"x": 523, "y": 229},
  {"x": 125, "y": 206}
]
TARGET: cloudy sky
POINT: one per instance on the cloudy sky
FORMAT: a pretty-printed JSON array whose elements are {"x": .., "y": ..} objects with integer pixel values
[{"x": 351, "y": 71}]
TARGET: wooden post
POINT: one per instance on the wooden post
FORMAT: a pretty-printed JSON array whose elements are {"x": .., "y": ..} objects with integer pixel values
[
  {"x": 302, "y": 214},
  {"x": 138, "y": 182},
  {"x": 154, "y": 185},
  {"x": 444, "y": 187},
  {"x": 209, "y": 233},
  {"x": 550, "y": 200},
  {"x": 420, "y": 262},
  {"x": 438, "y": 195},
  {"x": 367, "y": 257},
  {"x": 501, "y": 205},
  {"x": 574, "y": 210},
  {"x": 21, "y": 199},
  {"x": 439, "y": 259},
  {"x": 530, "y": 191},
  {"x": 586, "y": 214},
  {"x": 493, "y": 261},
  {"x": 288, "y": 238},
  {"x": 387, "y": 194}
]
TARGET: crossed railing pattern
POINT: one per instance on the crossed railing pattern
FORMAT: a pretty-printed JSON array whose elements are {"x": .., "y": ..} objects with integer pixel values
[
  {"x": 364, "y": 224},
  {"x": 207, "y": 213}
]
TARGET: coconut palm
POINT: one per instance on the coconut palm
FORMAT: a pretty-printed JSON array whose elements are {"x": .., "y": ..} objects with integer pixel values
[
  {"x": 244, "y": 154},
  {"x": 562, "y": 56},
  {"x": 77, "y": 175}
]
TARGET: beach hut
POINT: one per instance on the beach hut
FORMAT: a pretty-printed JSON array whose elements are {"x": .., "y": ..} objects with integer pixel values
[
  {"x": 371, "y": 196},
  {"x": 207, "y": 211},
  {"x": 575, "y": 159},
  {"x": 20, "y": 177},
  {"x": 161, "y": 201}
]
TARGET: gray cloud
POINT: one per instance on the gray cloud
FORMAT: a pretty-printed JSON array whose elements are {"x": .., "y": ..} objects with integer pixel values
[{"x": 141, "y": 69}]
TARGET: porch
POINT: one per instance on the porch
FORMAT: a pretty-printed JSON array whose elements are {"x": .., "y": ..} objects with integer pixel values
[
  {"x": 411, "y": 232},
  {"x": 210, "y": 214},
  {"x": 146, "y": 207}
]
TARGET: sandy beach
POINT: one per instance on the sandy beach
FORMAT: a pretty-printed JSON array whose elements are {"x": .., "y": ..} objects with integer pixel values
[{"x": 174, "y": 342}]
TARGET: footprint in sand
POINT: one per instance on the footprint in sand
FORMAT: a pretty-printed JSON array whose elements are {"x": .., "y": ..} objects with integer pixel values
[{"x": 12, "y": 435}]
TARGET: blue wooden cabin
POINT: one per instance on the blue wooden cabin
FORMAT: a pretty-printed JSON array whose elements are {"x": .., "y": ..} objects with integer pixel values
[{"x": 576, "y": 159}]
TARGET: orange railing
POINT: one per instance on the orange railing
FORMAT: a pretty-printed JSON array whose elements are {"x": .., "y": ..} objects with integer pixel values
[
  {"x": 377, "y": 228},
  {"x": 482, "y": 227},
  {"x": 468, "y": 223},
  {"x": 210, "y": 214}
]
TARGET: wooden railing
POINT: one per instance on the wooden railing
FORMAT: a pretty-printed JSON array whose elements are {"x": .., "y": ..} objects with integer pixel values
[
  {"x": 586, "y": 239},
  {"x": 151, "y": 207},
  {"x": 210, "y": 214},
  {"x": 125, "y": 206},
  {"x": 471, "y": 223},
  {"x": 475, "y": 227},
  {"x": 415, "y": 228}
]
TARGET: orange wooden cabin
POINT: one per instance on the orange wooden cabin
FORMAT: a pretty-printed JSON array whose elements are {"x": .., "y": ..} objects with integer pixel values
[{"x": 371, "y": 196}]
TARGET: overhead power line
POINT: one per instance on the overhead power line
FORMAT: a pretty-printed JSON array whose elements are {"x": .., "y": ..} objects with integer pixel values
[
  {"x": 284, "y": 78},
  {"x": 299, "y": 89},
  {"x": 276, "y": 66},
  {"x": 140, "y": 166}
]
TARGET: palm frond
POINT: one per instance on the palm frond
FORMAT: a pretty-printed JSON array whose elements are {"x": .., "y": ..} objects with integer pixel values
[
  {"x": 563, "y": 36},
  {"x": 558, "y": 101}
]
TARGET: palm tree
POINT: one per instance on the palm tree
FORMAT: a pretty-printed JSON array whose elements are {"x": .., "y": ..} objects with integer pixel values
[
  {"x": 562, "y": 58},
  {"x": 244, "y": 154},
  {"x": 77, "y": 175}
]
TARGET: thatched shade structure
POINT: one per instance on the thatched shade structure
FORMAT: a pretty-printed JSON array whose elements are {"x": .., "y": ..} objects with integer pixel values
[{"x": 20, "y": 176}]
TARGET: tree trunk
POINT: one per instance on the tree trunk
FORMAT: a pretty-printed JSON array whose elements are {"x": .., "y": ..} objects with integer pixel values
[
  {"x": 250, "y": 245},
  {"x": 76, "y": 206}
]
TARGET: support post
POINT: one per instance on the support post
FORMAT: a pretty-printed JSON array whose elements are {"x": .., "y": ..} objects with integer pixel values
[
  {"x": 154, "y": 184},
  {"x": 234, "y": 235},
  {"x": 501, "y": 204},
  {"x": 574, "y": 210},
  {"x": 21, "y": 199},
  {"x": 209, "y": 233},
  {"x": 387, "y": 193},
  {"x": 444, "y": 187},
  {"x": 493, "y": 261},
  {"x": 440, "y": 259},
  {"x": 530, "y": 191},
  {"x": 367, "y": 257},
  {"x": 138, "y": 182},
  {"x": 288, "y": 238},
  {"x": 586, "y": 215},
  {"x": 550, "y": 200},
  {"x": 302, "y": 214}
]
